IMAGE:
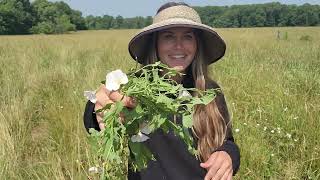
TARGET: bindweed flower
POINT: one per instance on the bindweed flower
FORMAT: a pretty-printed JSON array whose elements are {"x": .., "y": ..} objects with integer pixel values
[
  {"x": 140, "y": 137},
  {"x": 184, "y": 94},
  {"x": 91, "y": 96},
  {"x": 146, "y": 130},
  {"x": 114, "y": 79}
]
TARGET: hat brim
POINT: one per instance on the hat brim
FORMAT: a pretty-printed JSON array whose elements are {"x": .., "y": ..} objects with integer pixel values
[{"x": 213, "y": 45}]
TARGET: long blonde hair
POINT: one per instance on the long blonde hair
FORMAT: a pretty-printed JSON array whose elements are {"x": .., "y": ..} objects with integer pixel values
[{"x": 209, "y": 126}]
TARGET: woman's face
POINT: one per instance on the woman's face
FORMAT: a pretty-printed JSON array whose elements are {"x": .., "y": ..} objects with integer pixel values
[{"x": 177, "y": 47}]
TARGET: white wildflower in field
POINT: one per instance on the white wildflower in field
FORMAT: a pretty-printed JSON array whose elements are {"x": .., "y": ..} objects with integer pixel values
[
  {"x": 236, "y": 130},
  {"x": 114, "y": 79},
  {"x": 285, "y": 109},
  {"x": 139, "y": 137},
  {"x": 288, "y": 135},
  {"x": 94, "y": 170},
  {"x": 265, "y": 128},
  {"x": 295, "y": 118},
  {"x": 272, "y": 131},
  {"x": 272, "y": 155},
  {"x": 91, "y": 96},
  {"x": 295, "y": 140},
  {"x": 258, "y": 125},
  {"x": 245, "y": 124}
]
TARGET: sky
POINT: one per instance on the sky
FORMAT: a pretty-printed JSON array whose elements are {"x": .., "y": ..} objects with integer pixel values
[{"x": 132, "y": 8}]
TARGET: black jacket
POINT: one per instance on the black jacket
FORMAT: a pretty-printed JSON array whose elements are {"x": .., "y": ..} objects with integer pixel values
[{"x": 173, "y": 161}]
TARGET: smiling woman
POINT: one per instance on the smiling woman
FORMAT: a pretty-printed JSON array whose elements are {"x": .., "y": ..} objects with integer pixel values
[
  {"x": 178, "y": 39},
  {"x": 177, "y": 47}
]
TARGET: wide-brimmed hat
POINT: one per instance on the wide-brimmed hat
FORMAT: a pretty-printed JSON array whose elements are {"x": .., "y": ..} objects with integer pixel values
[{"x": 177, "y": 16}]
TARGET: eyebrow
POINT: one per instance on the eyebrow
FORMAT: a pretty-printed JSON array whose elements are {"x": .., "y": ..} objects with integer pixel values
[{"x": 167, "y": 31}]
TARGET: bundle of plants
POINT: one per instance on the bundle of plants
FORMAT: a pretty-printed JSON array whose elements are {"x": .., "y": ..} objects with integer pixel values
[{"x": 157, "y": 97}]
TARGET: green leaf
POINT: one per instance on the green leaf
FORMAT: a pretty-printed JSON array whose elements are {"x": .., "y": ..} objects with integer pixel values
[
  {"x": 142, "y": 154},
  {"x": 187, "y": 121}
]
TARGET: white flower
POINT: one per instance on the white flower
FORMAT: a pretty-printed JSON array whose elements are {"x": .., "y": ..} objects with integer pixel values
[
  {"x": 258, "y": 124},
  {"x": 91, "y": 96},
  {"x": 114, "y": 79},
  {"x": 139, "y": 137},
  {"x": 245, "y": 124},
  {"x": 146, "y": 130},
  {"x": 94, "y": 170},
  {"x": 272, "y": 131},
  {"x": 184, "y": 94},
  {"x": 265, "y": 128},
  {"x": 237, "y": 130},
  {"x": 288, "y": 135},
  {"x": 272, "y": 155}
]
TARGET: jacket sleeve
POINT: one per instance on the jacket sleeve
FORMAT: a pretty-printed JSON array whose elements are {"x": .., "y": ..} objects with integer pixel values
[
  {"x": 90, "y": 118},
  {"x": 229, "y": 146}
]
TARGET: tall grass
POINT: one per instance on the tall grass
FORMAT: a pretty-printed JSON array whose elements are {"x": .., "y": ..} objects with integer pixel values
[{"x": 272, "y": 88}]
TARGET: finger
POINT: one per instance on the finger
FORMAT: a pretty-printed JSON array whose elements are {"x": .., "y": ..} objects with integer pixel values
[
  {"x": 101, "y": 125},
  {"x": 122, "y": 117},
  {"x": 211, "y": 172},
  {"x": 209, "y": 162},
  {"x": 230, "y": 175},
  {"x": 222, "y": 173},
  {"x": 127, "y": 101},
  {"x": 102, "y": 96},
  {"x": 226, "y": 174}
]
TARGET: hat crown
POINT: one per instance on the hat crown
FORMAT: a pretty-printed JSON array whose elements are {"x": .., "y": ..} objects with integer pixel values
[{"x": 181, "y": 11}]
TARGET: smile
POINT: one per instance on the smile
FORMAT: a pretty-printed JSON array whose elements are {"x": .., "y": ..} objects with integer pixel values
[{"x": 177, "y": 56}]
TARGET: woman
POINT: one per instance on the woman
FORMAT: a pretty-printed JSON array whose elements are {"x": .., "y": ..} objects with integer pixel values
[{"x": 178, "y": 39}]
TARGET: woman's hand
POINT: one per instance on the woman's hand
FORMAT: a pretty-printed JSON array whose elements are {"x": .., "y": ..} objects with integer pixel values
[
  {"x": 219, "y": 166},
  {"x": 105, "y": 97}
]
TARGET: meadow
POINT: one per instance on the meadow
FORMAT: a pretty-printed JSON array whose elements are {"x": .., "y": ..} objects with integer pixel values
[{"x": 272, "y": 86}]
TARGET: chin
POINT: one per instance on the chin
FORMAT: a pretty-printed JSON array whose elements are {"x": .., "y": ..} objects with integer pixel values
[{"x": 179, "y": 68}]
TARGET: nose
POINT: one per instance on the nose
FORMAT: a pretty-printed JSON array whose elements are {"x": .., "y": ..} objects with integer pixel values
[{"x": 179, "y": 43}]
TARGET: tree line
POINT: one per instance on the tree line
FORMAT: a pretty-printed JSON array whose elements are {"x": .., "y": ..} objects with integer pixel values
[{"x": 42, "y": 16}]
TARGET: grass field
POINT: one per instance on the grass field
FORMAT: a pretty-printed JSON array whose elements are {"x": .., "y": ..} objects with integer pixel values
[{"x": 272, "y": 88}]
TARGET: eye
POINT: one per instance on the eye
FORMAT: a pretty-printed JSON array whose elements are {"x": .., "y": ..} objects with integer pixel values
[
  {"x": 189, "y": 36},
  {"x": 168, "y": 36}
]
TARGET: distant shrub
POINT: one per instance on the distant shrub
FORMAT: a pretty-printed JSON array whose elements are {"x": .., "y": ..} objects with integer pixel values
[
  {"x": 305, "y": 38},
  {"x": 43, "y": 28}
]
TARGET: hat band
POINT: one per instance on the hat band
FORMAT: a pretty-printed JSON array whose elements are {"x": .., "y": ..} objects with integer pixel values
[{"x": 184, "y": 12}]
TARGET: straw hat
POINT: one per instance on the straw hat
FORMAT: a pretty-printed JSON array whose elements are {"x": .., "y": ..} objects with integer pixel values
[{"x": 177, "y": 16}]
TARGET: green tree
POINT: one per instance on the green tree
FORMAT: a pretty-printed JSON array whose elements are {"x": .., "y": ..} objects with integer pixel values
[
  {"x": 16, "y": 16},
  {"x": 118, "y": 22},
  {"x": 63, "y": 24},
  {"x": 58, "y": 16}
]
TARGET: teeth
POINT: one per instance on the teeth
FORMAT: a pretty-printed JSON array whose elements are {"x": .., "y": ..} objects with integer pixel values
[{"x": 178, "y": 56}]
